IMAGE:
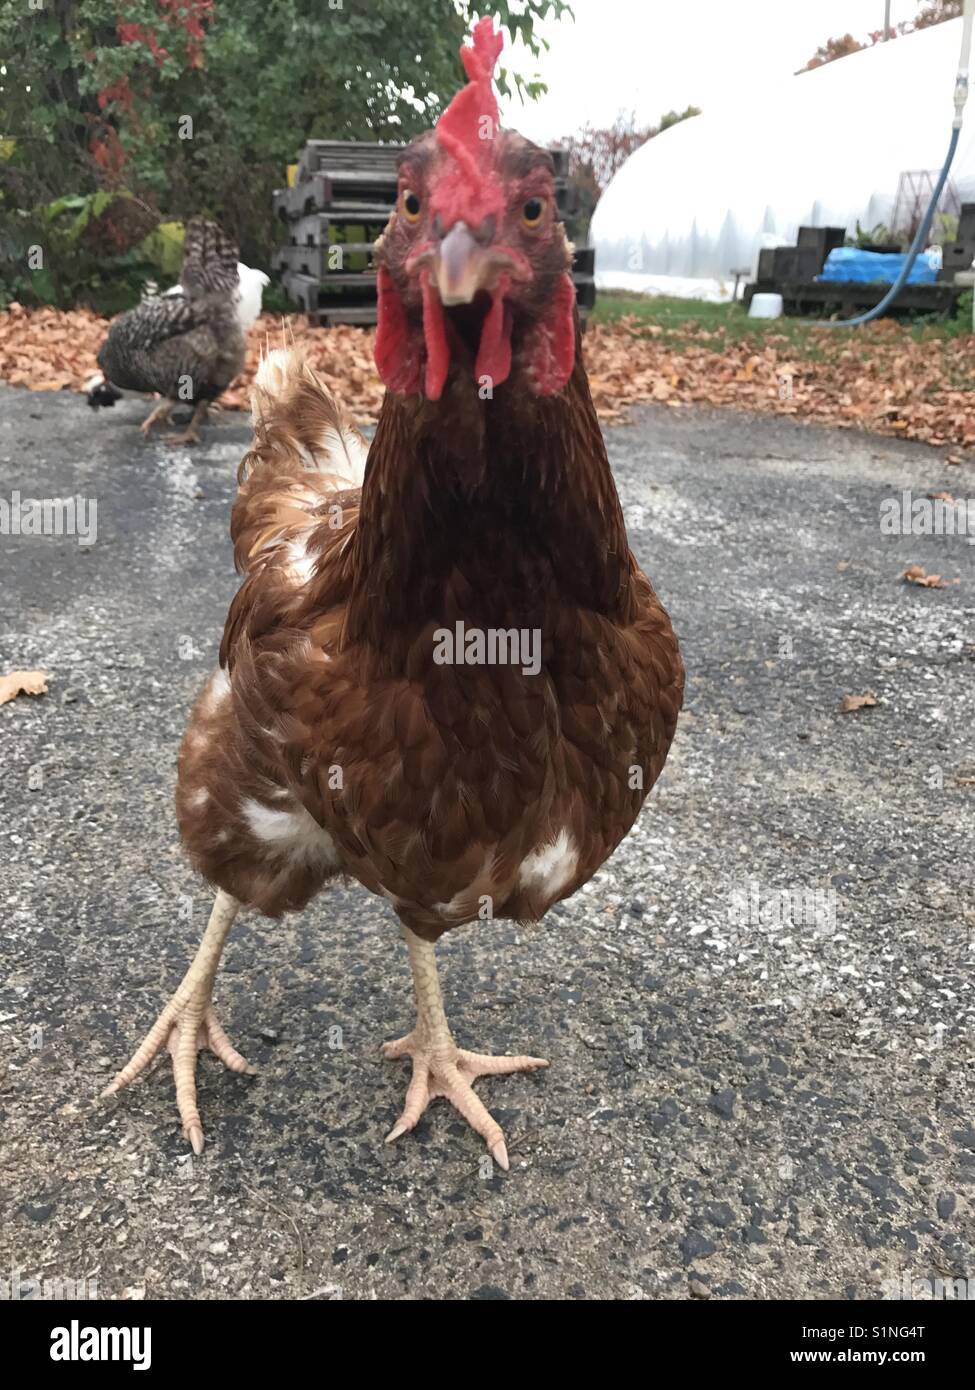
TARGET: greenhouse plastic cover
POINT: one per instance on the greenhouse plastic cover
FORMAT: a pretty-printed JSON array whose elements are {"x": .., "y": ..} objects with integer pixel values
[
  {"x": 878, "y": 267},
  {"x": 825, "y": 148}
]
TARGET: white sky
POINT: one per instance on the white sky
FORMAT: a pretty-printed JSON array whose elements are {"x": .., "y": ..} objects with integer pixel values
[{"x": 652, "y": 56}]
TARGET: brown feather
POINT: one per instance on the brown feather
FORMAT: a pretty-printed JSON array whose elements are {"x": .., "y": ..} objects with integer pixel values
[{"x": 436, "y": 785}]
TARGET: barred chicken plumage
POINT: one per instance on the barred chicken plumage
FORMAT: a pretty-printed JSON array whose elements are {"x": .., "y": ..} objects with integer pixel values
[
  {"x": 452, "y": 682},
  {"x": 187, "y": 344}
]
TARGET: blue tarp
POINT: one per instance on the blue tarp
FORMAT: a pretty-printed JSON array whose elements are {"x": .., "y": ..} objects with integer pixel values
[{"x": 877, "y": 267}]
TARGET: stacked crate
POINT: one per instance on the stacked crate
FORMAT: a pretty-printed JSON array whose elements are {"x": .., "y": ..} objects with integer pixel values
[
  {"x": 796, "y": 272},
  {"x": 804, "y": 261},
  {"x": 960, "y": 254},
  {"x": 343, "y": 193}
]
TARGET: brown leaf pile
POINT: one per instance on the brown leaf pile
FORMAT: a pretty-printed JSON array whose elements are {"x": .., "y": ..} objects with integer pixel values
[
  {"x": 49, "y": 350},
  {"x": 342, "y": 357},
  {"x": 884, "y": 379}
]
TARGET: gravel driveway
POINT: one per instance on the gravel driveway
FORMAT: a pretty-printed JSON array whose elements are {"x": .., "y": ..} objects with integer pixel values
[{"x": 760, "y": 1014}]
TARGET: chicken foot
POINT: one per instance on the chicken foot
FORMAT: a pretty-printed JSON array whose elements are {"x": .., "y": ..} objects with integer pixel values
[
  {"x": 440, "y": 1067},
  {"x": 162, "y": 410},
  {"x": 189, "y": 1023},
  {"x": 189, "y": 435}
]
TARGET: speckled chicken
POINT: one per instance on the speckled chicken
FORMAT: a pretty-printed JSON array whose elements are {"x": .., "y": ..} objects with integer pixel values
[
  {"x": 453, "y": 682},
  {"x": 188, "y": 345}
]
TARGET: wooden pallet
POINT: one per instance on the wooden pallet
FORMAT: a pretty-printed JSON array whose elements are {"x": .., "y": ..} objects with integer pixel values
[
  {"x": 325, "y": 262},
  {"x": 321, "y": 229},
  {"x": 351, "y": 298},
  {"x": 847, "y": 297},
  {"x": 339, "y": 204},
  {"x": 316, "y": 196},
  {"x": 321, "y": 156},
  {"x": 368, "y": 199},
  {"x": 794, "y": 271}
]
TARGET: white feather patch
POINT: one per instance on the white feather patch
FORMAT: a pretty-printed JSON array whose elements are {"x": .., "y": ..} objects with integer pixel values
[
  {"x": 547, "y": 870},
  {"x": 294, "y": 835},
  {"x": 340, "y": 449},
  {"x": 301, "y": 564},
  {"x": 217, "y": 690},
  {"x": 343, "y": 452},
  {"x": 251, "y": 292}
]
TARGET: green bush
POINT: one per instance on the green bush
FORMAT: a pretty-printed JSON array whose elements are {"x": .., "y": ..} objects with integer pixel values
[
  {"x": 189, "y": 108},
  {"x": 98, "y": 249}
]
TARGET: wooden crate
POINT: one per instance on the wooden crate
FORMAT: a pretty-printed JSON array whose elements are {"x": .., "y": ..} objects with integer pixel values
[
  {"x": 323, "y": 261},
  {"x": 849, "y": 297},
  {"x": 321, "y": 229},
  {"x": 343, "y": 194},
  {"x": 356, "y": 156},
  {"x": 291, "y": 204},
  {"x": 955, "y": 256},
  {"x": 821, "y": 239}
]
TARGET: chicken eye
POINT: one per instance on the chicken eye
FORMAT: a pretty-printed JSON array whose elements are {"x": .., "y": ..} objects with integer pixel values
[
  {"x": 531, "y": 213},
  {"x": 411, "y": 205}
]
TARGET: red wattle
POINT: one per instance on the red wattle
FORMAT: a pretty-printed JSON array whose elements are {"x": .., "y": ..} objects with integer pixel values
[
  {"x": 550, "y": 347},
  {"x": 397, "y": 362},
  {"x": 494, "y": 349},
  {"x": 435, "y": 336}
]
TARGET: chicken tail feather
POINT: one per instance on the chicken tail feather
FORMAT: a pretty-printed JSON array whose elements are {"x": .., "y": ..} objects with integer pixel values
[{"x": 304, "y": 455}]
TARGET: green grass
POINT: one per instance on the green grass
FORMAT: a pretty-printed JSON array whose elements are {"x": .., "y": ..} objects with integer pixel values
[{"x": 686, "y": 321}]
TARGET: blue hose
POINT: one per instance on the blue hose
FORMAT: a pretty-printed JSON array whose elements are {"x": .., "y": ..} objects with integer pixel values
[{"x": 916, "y": 246}]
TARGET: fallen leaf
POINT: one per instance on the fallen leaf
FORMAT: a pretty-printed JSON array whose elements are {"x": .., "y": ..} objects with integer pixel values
[
  {"x": 22, "y": 683},
  {"x": 854, "y": 702},
  {"x": 914, "y": 574},
  {"x": 890, "y": 383}
]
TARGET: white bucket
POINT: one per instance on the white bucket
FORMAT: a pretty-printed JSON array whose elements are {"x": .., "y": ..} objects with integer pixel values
[{"x": 765, "y": 306}]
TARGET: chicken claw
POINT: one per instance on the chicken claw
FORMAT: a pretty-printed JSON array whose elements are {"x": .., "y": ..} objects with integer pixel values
[
  {"x": 161, "y": 412},
  {"x": 188, "y": 436},
  {"x": 450, "y": 1074},
  {"x": 189, "y": 1023},
  {"x": 440, "y": 1067}
]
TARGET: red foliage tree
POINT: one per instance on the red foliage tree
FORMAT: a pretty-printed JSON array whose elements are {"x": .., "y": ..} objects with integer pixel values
[
  {"x": 932, "y": 12},
  {"x": 184, "y": 21},
  {"x": 596, "y": 154}
]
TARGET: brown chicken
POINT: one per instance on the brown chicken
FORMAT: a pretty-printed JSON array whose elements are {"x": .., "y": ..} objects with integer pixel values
[{"x": 455, "y": 684}]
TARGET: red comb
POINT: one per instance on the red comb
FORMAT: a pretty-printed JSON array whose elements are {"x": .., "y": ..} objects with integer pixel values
[{"x": 468, "y": 126}]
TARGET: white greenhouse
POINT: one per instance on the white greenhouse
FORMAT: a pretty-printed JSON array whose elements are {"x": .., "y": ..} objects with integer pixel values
[{"x": 824, "y": 148}]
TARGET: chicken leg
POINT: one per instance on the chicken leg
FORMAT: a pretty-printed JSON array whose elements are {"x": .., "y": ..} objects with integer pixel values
[
  {"x": 189, "y": 435},
  {"x": 162, "y": 410},
  {"x": 440, "y": 1067},
  {"x": 189, "y": 1023}
]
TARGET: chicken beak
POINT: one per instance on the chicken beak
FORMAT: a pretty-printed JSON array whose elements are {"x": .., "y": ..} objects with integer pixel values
[{"x": 461, "y": 266}]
